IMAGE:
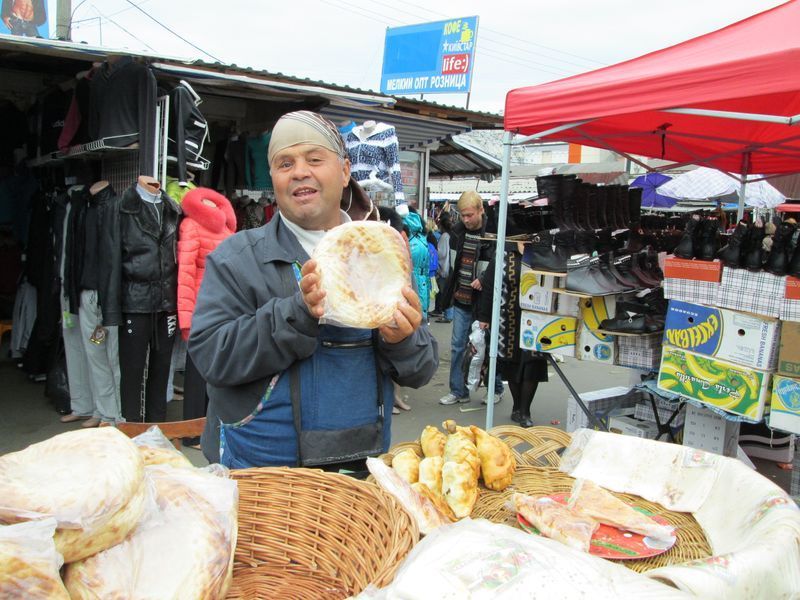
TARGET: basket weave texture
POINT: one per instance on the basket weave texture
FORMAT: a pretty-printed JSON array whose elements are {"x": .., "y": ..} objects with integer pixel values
[
  {"x": 538, "y": 452},
  {"x": 307, "y": 534}
]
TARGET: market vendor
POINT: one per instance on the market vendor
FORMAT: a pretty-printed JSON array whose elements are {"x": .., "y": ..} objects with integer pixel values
[{"x": 275, "y": 375}]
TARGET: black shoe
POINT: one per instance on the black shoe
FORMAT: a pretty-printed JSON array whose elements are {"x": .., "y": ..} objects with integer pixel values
[
  {"x": 709, "y": 240},
  {"x": 686, "y": 248},
  {"x": 753, "y": 258},
  {"x": 544, "y": 255},
  {"x": 443, "y": 320},
  {"x": 526, "y": 422},
  {"x": 731, "y": 254},
  {"x": 632, "y": 324},
  {"x": 778, "y": 260},
  {"x": 585, "y": 275},
  {"x": 516, "y": 416}
]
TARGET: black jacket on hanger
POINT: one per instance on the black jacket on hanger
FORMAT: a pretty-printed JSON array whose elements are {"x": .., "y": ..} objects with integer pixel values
[
  {"x": 188, "y": 128},
  {"x": 138, "y": 269}
]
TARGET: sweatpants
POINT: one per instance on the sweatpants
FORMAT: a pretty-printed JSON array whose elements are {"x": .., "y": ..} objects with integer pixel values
[
  {"x": 102, "y": 360},
  {"x": 80, "y": 394},
  {"x": 145, "y": 350}
]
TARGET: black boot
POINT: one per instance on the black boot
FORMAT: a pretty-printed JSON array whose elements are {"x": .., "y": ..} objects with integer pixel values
[
  {"x": 542, "y": 256},
  {"x": 793, "y": 268},
  {"x": 602, "y": 206},
  {"x": 581, "y": 206},
  {"x": 778, "y": 260},
  {"x": 592, "y": 206},
  {"x": 731, "y": 254},
  {"x": 569, "y": 187},
  {"x": 549, "y": 187},
  {"x": 753, "y": 259},
  {"x": 565, "y": 244},
  {"x": 709, "y": 239},
  {"x": 686, "y": 247},
  {"x": 634, "y": 205},
  {"x": 585, "y": 242}
]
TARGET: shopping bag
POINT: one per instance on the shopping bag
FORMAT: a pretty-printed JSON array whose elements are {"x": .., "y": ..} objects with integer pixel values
[{"x": 476, "y": 349}]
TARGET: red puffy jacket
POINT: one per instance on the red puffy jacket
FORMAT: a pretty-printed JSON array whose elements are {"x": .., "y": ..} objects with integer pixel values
[{"x": 208, "y": 218}]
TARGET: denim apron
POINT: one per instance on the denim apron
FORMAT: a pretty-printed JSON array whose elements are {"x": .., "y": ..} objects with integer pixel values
[{"x": 333, "y": 406}]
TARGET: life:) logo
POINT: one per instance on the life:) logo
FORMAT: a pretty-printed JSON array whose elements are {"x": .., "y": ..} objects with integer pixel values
[
  {"x": 692, "y": 337},
  {"x": 455, "y": 63}
]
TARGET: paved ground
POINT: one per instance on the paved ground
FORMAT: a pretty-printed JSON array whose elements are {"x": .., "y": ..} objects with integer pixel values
[{"x": 28, "y": 416}]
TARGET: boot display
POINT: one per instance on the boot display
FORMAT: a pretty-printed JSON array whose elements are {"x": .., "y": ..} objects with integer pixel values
[
  {"x": 686, "y": 247},
  {"x": 549, "y": 186},
  {"x": 731, "y": 254},
  {"x": 753, "y": 257},
  {"x": 709, "y": 239},
  {"x": 778, "y": 260},
  {"x": 586, "y": 276},
  {"x": 543, "y": 255}
]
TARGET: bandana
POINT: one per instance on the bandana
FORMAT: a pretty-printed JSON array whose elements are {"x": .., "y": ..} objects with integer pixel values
[{"x": 305, "y": 127}]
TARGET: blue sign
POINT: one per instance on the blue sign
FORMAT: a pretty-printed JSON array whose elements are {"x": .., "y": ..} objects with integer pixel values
[{"x": 431, "y": 58}]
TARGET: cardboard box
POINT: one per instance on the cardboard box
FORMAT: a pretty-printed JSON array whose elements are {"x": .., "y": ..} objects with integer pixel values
[
  {"x": 536, "y": 291},
  {"x": 696, "y": 270},
  {"x": 745, "y": 339},
  {"x": 594, "y": 346},
  {"x": 548, "y": 333},
  {"x": 699, "y": 292},
  {"x": 597, "y": 309},
  {"x": 706, "y": 430},
  {"x": 757, "y": 292},
  {"x": 758, "y": 440},
  {"x": 640, "y": 351},
  {"x": 789, "y": 352},
  {"x": 733, "y": 388},
  {"x": 567, "y": 305},
  {"x": 792, "y": 288},
  {"x": 633, "y": 427},
  {"x": 644, "y": 412},
  {"x": 600, "y": 403},
  {"x": 784, "y": 411}
]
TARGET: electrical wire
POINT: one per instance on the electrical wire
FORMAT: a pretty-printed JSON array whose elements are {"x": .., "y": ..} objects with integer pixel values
[
  {"x": 113, "y": 14},
  {"x": 113, "y": 22}
]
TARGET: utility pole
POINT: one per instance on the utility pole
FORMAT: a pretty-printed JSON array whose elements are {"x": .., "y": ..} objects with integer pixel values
[{"x": 64, "y": 20}]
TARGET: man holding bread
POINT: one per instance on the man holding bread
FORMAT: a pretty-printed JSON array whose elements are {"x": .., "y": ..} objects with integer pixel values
[{"x": 283, "y": 388}]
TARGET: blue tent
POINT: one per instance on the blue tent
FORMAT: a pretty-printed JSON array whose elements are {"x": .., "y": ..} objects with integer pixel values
[{"x": 650, "y": 196}]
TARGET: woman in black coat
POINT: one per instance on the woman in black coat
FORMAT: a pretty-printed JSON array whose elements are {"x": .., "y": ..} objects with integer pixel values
[{"x": 522, "y": 369}]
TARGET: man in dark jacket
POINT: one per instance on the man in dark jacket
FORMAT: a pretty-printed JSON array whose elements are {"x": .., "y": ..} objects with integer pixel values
[
  {"x": 283, "y": 388},
  {"x": 469, "y": 256}
]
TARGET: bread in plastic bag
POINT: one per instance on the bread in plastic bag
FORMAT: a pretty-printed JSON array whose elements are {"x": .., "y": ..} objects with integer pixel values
[
  {"x": 29, "y": 562},
  {"x": 89, "y": 480},
  {"x": 156, "y": 449},
  {"x": 181, "y": 549},
  {"x": 363, "y": 267}
]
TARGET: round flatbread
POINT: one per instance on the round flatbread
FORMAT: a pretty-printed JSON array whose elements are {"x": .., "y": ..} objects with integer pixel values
[
  {"x": 363, "y": 267},
  {"x": 29, "y": 562}
]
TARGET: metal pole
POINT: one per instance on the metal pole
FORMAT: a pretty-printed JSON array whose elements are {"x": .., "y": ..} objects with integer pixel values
[
  {"x": 467, "y": 106},
  {"x": 63, "y": 19},
  {"x": 743, "y": 189},
  {"x": 498, "y": 277}
]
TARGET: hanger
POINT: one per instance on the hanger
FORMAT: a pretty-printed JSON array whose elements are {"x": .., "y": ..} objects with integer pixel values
[{"x": 197, "y": 99}]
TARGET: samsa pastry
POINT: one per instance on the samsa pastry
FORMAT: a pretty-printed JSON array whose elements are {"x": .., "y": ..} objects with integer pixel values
[
  {"x": 556, "y": 521},
  {"x": 459, "y": 487},
  {"x": 406, "y": 463},
  {"x": 459, "y": 448},
  {"x": 436, "y": 499},
  {"x": 450, "y": 426},
  {"x": 432, "y": 441},
  {"x": 497, "y": 462},
  {"x": 430, "y": 473}
]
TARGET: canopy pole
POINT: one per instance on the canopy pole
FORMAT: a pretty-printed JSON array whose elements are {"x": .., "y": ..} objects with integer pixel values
[
  {"x": 498, "y": 277},
  {"x": 743, "y": 189}
]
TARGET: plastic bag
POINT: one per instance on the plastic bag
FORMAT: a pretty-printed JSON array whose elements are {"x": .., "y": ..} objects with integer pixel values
[
  {"x": 363, "y": 268},
  {"x": 156, "y": 449},
  {"x": 29, "y": 562},
  {"x": 182, "y": 547},
  {"x": 477, "y": 348}
]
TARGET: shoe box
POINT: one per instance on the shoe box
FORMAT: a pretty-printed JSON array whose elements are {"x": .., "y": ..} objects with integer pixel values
[
  {"x": 639, "y": 351},
  {"x": 536, "y": 291},
  {"x": 548, "y": 333},
  {"x": 733, "y": 388},
  {"x": 693, "y": 270},
  {"x": 689, "y": 290},
  {"x": 789, "y": 352},
  {"x": 784, "y": 412},
  {"x": 593, "y": 345},
  {"x": 746, "y": 339},
  {"x": 632, "y": 426},
  {"x": 601, "y": 403},
  {"x": 705, "y": 430},
  {"x": 758, "y": 292}
]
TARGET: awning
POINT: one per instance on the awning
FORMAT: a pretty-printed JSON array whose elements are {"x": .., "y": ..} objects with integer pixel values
[{"x": 457, "y": 158}]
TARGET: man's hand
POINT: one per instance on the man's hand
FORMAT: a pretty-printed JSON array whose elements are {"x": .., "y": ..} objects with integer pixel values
[
  {"x": 408, "y": 318},
  {"x": 476, "y": 285},
  {"x": 309, "y": 286}
]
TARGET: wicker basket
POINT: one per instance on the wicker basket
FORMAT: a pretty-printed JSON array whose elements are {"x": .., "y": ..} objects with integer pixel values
[
  {"x": 538, "y": 452},
  {"x": 305, "y": 533}
]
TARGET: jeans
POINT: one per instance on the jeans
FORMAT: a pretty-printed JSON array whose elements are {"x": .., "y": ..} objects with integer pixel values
[
  {"x": 462, "y": 322},
  {"x": 18, "y": 26}
]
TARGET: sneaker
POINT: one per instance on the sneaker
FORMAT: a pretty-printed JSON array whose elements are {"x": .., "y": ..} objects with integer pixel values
[
  {"x": 451, "y": 398},
  {"x": 498, "y": 398}
]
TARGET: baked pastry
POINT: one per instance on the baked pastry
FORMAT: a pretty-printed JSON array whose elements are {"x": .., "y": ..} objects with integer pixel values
[
  {"x": 556, "y": 521},
  {"x": 88, "y": 480},
  {"x": 459, "y": 487},
  {"x": 432, "y": 441},
  {"x": 497, "y": 462},
  {"x": 406, "y": 463},
  {"x": 450, "y": 426},
  {"x": 588, "y": 498},
  {"x": 164, "y": 456},
  {"x": 459, "y": 448},
  {"x": 436, "y": 499},
  {"x": 29, "y": 562},
  {"x": 430, "y": 473},
  {"x": 363, "y": 267}
]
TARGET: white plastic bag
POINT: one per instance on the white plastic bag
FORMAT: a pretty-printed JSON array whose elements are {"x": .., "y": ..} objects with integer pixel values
[
  {"x": 29, "y": 562},
  {"x": 477, "y": 341},
  {"x": 156, "y": 449}
]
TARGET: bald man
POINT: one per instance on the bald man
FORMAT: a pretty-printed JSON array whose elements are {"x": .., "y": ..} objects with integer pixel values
[{"x": 283, "y": 389}]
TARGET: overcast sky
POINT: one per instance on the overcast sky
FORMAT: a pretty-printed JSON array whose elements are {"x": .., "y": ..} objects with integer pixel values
[{"x": 519, "y": 43}]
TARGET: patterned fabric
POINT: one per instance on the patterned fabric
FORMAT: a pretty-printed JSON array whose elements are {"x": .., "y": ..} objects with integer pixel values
[
  {"x": 761, "y": 293},
  {"x": 379, "y": 152},
  {"x": 688, "y": 290},
  {"x": 790, "y": 310},
  {"x": 639, "y": 352},
  {"x": 467, "y": 271}
]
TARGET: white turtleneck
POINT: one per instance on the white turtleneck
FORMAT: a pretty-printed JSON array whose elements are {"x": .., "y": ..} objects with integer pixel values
[{"x": 309, "y": 238}]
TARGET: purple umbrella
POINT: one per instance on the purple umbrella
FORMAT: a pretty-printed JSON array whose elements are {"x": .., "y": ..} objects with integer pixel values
[{"x": 649, "y": 183}]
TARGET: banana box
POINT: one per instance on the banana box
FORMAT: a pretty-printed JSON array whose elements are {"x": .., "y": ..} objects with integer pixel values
[
  {"x": 736, "y": 389},
  {"x": 784, "y": 413},
  {"x": 724, "y": 334},
  {"x": 595, "y": 346},
  {"x": 597, "y": 309},
  {"x": 548, "y": 333},
  {"x": 536, "y": 291}
]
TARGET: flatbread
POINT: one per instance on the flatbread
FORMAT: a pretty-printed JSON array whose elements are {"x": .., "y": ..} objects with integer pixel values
[
  {"x": 363, "y": 267},
  {"x": 556, "y": 521},
  {"x": 164, "y": 456},
  {"x": 29, "y": 562}
]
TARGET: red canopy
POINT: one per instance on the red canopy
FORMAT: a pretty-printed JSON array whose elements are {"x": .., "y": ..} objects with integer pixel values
[{"x": 752, "y": 66}]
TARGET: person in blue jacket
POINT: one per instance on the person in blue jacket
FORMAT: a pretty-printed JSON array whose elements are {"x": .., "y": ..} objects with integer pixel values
[
  {"x": 420, "y": 258},
  {"x": 284, "y": 389}
]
